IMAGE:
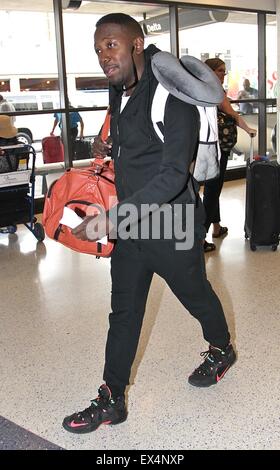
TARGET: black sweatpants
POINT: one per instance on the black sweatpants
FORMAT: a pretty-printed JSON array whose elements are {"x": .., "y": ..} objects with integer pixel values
[
  {"x": 132, "y": 266},
  {"x": 211, "y": 194}
]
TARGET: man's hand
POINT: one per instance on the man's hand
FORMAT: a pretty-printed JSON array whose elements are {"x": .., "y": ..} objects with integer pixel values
[
  {"x": 101, "y": 149},
  {"x": 93, "y": 228}
]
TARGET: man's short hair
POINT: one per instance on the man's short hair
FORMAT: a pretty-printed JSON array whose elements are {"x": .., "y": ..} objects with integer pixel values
[{"x": 123, "y": 20}]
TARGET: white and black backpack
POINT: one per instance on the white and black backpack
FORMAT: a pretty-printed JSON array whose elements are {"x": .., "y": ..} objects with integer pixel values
[{"x": 194, "y": 82}]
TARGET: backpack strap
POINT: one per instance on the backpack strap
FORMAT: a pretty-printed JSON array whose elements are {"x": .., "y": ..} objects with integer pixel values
[
  {"x": 158, "y": 110},
  {"x": 105, "y": 130},
  {"x": 208, "y": 132},
  {"x": 157, "y": 116},
  {"x": 207, "y": 161}
]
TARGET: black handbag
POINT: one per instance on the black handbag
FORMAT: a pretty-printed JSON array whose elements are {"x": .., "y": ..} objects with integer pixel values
[
  {"x": 8, "y": 162},
  {"x": 227, "y": 131},
  {"x": 82, "y": 149}
]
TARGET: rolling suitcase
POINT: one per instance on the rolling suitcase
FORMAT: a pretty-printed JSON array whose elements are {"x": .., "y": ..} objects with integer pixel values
[
  {"x": 52, "y": 149},
  {"x": 262, "y": 214}
]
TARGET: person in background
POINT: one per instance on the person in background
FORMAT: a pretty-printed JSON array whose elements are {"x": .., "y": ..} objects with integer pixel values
[
  {"x": 148, "y": 173},
  {"x": 75, "y": 119},
  {"x": 213, "y": 188},
  {"x": 8, "y": 133},
  {"x": 246, "y": 93},
  {"x": 7, "y": 107}
]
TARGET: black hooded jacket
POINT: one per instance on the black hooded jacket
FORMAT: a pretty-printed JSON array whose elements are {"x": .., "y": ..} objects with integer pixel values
[{"x": 147, "y": 170}]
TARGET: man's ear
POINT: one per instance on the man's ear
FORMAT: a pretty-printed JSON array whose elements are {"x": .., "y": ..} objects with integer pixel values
[{"x": 138, "y": 45}]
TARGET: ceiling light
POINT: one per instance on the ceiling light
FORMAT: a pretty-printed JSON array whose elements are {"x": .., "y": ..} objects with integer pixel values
[{"x": 71, "y": 4}]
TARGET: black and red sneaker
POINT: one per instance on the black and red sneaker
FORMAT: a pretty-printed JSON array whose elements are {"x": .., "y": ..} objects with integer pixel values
[
  {"x": 103, "y": 410},
  {"x": 212, "y": 370}
]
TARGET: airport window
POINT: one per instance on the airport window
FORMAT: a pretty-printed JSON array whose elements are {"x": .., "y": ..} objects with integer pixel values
[
  {"x": 271, "y": 81},
  {"x": 31, "y": 81},
  {"x": 222, "y": 33},
  {"x": 24, "y": 103},
  {"x": 38, "y": 84},
  {"x": 271, "y": 57},
  {"x": 90, "y": 87},
  {"x": 91, "y": 83},
  {"x": 5, "y": 85},
  {"x": 47, "y": 105}
]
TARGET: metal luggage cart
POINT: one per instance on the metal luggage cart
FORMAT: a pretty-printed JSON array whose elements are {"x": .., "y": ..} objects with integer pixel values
[{"x": 17, "y": 190}]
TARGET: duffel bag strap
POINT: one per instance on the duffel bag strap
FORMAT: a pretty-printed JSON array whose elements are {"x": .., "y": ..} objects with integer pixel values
[
  {"x": 106, "y": 125},
  {"x": 99, "y": 163}
]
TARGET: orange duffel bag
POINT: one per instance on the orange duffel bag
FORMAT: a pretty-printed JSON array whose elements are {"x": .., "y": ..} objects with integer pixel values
[{"x": 83, "y": 191}]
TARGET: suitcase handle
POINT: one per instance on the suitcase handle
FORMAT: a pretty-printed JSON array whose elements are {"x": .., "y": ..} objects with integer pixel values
[{"x": 251, "y": 152}]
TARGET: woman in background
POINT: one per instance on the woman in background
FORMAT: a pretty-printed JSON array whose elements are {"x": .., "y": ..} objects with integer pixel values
[
  {"x": 213, "y": 188},
  {"x": 7, "y": 137}
]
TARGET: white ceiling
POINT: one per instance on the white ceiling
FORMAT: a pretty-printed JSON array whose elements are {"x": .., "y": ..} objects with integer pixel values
[
  {"x": 104, "y": 7},
  {"x": 29, "y": 5},
  {"x": 99, "y": 7}
]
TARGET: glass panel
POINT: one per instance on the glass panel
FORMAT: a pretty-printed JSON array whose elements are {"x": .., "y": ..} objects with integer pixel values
[
  {"x": 28, "y": 75},
  {"x": 91, "y": 83},
  {"x": 38, "y": 84},
  {"x": 271, "y": 133},
  {"x": 87, "y": 86},
  {"x": 271, "y": 84},
  {"x": 241, "y": 150},
  {"x": 32, "y": 129},
  {"x": 28, "y": 54},
  {"x": 271, "y": 56},
  {"x": 5, "y": 85},
  {"x": 156, "y": 28},
  {"x": 217, "y": 33}
]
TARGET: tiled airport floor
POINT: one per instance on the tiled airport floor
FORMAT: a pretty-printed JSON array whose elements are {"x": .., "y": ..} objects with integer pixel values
[{"x": 54, "y": 306}]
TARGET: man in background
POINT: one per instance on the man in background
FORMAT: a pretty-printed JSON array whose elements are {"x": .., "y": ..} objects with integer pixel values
[
  {"x": 75, "y": 119},
  {"x": 246, "y": 93}
]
